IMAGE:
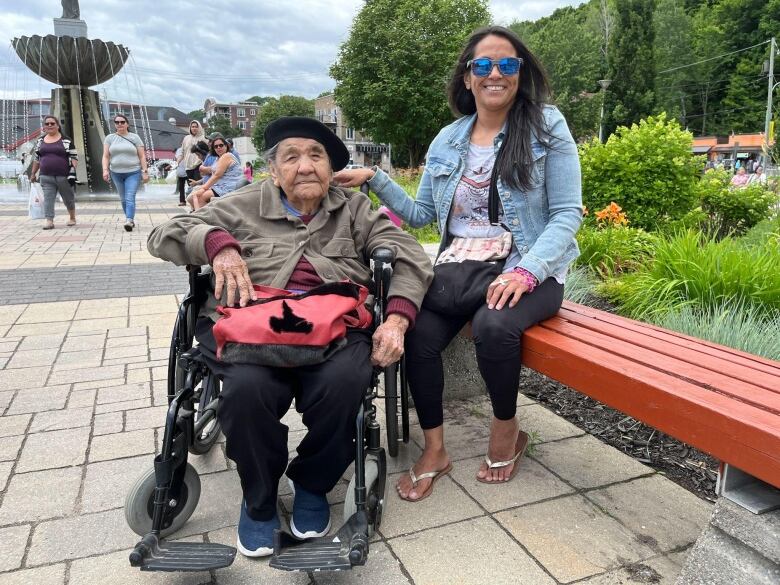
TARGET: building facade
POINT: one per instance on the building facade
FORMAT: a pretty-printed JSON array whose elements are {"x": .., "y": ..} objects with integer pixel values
[
  {"x": 362, "y": 150},
  {"x": 728, "y": 150},
  {"x": 153, "y": 113},
  {"x": 242, "y": 115}
]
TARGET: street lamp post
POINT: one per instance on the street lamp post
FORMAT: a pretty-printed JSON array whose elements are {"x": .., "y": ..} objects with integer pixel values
[{"x": 604, "y": 83}]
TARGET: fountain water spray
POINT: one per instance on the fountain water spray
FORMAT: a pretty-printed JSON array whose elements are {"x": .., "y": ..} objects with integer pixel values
[{"x": 75, "y": 63}]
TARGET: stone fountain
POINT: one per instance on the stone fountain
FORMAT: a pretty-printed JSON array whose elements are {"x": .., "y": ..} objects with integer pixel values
[{"x": 75, "y": 62}]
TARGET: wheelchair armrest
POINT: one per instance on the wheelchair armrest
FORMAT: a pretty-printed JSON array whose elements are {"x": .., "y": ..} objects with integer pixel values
[{"x": 200, "y": 284}]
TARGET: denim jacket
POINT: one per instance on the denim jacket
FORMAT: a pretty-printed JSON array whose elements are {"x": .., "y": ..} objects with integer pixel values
[{"x": 543, "y": 220}]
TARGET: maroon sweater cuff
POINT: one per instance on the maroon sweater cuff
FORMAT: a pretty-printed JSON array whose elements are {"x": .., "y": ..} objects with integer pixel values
[
  {"x": 403, "y": 307},
  {"x": 217, "y": 240}
]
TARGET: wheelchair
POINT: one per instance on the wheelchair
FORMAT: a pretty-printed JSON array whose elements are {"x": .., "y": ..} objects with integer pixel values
[{"x": 164, "y": 498}]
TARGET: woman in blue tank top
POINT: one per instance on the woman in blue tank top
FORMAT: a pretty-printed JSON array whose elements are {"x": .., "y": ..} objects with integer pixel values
[{"x": 227, "y": 173}]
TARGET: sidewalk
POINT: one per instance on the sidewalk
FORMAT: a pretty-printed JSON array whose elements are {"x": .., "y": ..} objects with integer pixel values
[{"x": 85, "y": 323}]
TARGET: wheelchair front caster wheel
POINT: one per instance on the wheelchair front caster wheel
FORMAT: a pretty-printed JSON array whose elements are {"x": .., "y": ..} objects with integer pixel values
[
  {"x": 375, "y": 496},
  {"x": 139, "y": 504}
]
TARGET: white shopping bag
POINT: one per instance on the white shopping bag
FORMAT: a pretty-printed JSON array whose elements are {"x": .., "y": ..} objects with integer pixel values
[{"x": 36, "y": 201}]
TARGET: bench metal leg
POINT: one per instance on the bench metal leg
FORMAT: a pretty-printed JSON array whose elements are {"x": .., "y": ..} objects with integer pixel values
[{"x": 747, "y": 491}]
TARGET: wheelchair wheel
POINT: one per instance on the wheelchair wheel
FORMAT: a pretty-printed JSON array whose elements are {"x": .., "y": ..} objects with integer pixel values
[
  {"x": 139, "y": 504},
  {"x": 375, "y": 496},
  {"x": 206, "y": 429}
]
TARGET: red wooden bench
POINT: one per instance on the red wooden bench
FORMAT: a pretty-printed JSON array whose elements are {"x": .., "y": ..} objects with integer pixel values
[{"x": 720, "y": 400}]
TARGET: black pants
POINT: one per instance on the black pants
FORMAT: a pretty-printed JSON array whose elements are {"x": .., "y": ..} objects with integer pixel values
[
  {"x": 497, "y": 339},
  {"x": 255, "y": 398},
  {"x": 181, "y": 182}
]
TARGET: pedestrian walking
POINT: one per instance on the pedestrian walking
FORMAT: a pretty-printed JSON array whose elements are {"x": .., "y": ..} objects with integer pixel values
[
  {"x": 55, "y": 158},
  {"x": 124, "y": 161}
]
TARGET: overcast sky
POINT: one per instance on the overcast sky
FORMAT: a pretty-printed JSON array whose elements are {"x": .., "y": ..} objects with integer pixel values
[{"x": 184, "y": 52}]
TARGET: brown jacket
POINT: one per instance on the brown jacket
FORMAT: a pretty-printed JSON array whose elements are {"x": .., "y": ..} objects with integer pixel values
[{"x": 338, "y": 242}]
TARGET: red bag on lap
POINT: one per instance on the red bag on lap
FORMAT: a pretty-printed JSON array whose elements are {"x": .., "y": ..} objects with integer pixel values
[{"x": 285, "y": 329}]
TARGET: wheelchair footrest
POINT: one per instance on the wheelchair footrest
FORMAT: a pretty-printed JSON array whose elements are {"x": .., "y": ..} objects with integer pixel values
[
  {"x": 348, "y": 548},
  {"x": 153, "y": 554}
]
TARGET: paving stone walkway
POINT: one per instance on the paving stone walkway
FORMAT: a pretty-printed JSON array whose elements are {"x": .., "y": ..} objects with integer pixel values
[{"x": 82, "y": 401}]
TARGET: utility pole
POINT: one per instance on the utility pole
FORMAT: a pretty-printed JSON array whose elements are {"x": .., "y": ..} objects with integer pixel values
[{"x": 770, "y": 90}]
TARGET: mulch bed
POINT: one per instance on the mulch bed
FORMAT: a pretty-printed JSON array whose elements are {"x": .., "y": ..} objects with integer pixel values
[{"x": 683, "y": 464}]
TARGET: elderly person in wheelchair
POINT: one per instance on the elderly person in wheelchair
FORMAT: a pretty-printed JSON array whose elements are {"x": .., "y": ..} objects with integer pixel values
[{"x": 294, "y": 231}]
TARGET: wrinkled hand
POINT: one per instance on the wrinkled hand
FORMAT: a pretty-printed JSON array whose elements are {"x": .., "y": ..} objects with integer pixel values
[
  {"x": 352, "y": 177},
  {"x": 506, "y": 287},
  {"x": 388, "y": 341},
  {"x": 231, "y": 273}
]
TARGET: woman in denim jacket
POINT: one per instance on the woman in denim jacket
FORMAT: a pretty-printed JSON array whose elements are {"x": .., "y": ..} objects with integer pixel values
[{"x": 505, "y": 133}]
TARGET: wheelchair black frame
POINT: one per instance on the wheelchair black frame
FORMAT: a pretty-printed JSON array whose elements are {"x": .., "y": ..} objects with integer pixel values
[{"x": 170, "y": 465}]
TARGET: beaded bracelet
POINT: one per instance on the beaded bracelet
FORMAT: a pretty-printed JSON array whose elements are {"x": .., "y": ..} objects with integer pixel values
[{"x": 528, "y": 278}]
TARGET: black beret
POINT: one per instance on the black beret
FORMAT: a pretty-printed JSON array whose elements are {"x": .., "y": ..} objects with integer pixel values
[{"x": 300, "y": 127}]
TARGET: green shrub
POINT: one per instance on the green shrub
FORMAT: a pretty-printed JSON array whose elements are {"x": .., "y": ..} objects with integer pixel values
[
  {"x": 428, "y": 234},
  {"x": 615, "y": 249},
  {"x": 764, "y": 232},
  {"x": 695, "y": 220},
  {"x": 647, "y": 169},
  {"x": 733, "y": 324},
  {"x": 579, "y": 285},
  {"x": 733, "y": 211},
  {"x": 697, "y": 270}
]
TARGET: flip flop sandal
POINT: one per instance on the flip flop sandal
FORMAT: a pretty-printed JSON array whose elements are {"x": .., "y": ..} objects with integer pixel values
[
  {"x": 520, "y": 446},
  {"x": 434, "y": 475},
  {"x": 70, "y": 222}
]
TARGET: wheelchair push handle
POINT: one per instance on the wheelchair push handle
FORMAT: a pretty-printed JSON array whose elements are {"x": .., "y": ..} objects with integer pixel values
[{"x": 383, "y": 256}]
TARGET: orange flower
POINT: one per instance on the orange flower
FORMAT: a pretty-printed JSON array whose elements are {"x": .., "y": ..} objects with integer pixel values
[{"x": 612, "y": 214}]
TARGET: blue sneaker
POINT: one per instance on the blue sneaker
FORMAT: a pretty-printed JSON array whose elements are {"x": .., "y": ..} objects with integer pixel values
[
  {"x": 311, "y": 513},
  {"x": 256, "y": 537}
]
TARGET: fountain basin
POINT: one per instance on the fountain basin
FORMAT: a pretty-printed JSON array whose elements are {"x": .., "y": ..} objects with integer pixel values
[{"x": 71, "y": 60}]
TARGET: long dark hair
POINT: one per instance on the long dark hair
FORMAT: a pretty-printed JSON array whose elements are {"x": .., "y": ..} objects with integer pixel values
[
  {"x": 213, "y": 138},
  {"x": 514, "y": 161},
  {"x": 59, "y": 125}
]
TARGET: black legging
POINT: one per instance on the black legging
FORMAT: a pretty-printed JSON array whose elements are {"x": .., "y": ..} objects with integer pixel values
[{"x": 497, "y": 338}]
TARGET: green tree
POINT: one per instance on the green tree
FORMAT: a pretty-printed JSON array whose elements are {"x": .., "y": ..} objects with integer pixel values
[
  {"x": 647, "y": 169},
  {"x": 391, "y": 73},
  {"x": 673, "y": 29},
  {"x": 737, "y": 102},
  {"x": 222, "y": 125},
  {"x": 196, "y": 115},
  {"x": 286, "y": 105},
  {"x": 631, "y": 65},
  {"x": 259, "y": 100},
  {"x": 567, "y": 44},
  {"x": 708, "y": 43}
]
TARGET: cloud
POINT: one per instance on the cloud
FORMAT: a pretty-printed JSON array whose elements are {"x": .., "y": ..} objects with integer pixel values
[
  {"x": 507, "y": 11},
  {"x": 184, "y": 52}
]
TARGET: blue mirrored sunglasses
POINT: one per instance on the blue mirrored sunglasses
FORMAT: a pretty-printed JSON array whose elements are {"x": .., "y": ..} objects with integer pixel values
[{"x": 482, "y": 66}]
